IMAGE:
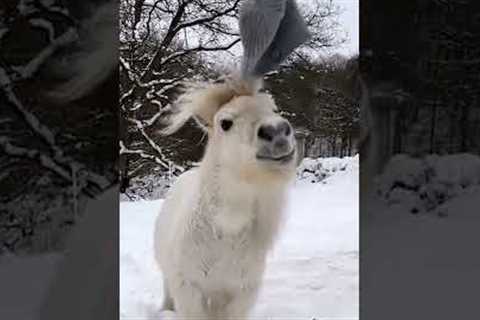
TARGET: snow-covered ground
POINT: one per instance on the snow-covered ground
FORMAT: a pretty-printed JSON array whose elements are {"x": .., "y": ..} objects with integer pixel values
[
  {"x": 414, "y": 266},
  {"x": 423, "y": 264},
  {"x": 21, "y": 288},
  {"x": 427, "y": 185},
  {"x": 311, "y": 273}
]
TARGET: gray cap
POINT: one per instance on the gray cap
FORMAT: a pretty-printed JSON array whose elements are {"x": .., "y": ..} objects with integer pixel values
[{"x": 270, "y": 31}]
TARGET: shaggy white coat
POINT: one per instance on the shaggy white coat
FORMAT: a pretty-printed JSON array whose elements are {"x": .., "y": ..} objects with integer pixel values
[{"x": 219, "y": 220}]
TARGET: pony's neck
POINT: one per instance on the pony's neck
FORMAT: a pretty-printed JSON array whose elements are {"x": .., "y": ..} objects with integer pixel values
[
  {"x": 217, "y": 180},
  {"x": 229, "y": 201},
  {"x": 235, "y": 205}
]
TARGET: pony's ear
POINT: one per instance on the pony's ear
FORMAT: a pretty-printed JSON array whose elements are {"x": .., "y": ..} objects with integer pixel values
[{"x": 200, "y": 101}]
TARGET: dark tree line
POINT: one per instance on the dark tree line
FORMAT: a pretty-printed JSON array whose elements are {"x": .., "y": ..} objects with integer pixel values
[
  {"x": 423, "y": 74},
  {"x": 315, "y": 95}
]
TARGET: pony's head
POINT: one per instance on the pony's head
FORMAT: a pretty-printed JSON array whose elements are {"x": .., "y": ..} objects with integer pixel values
[{"x": 246, "y": 134}]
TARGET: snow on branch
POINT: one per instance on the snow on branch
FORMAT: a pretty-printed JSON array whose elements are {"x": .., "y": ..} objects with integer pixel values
[
  {"x": 52, "y": 164},
  {"x": 178, "y": 54},
  {"x": 44, "y": 132},
  {"x": 125, "y": 96},
  {"x": 215, "y": 15},
  {"x": 46, "y": 135},
  {"x": 44, "y": 24},
  {"x": 154, "y": 82},
  {"x": 42, "y": 158},
  {"x": 143, "y": 154},
  {"x": 162, "y": 159},
  {"x": 153, "y": 119},
  {"x": 33, "y": 65},
  {"x": 126, "y": 66}
]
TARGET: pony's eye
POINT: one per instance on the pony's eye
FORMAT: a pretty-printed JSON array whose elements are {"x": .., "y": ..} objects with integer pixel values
[{"x": 226, "y": 124}]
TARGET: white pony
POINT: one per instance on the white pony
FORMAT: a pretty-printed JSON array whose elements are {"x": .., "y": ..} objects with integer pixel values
[{"x": 220, "y": 219}]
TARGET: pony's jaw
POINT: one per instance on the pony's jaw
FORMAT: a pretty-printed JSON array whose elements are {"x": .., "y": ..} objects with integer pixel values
[{"x": 250, "y": 170}]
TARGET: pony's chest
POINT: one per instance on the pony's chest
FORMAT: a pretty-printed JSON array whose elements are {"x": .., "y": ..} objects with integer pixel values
[
  {"x": 225, "y": 242},
  {"x": 234, "y": 222},
  {"x": 226, "y": 258}
]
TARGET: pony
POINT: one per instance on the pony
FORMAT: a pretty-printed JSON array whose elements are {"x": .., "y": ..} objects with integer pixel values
[{"x": 220, "y": 219}]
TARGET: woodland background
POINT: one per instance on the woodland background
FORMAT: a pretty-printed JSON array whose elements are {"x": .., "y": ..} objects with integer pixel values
[
  {"x": 164, "y": 43},
  {"x": 53, "y": 157},
  {"x": 424, "y": 78}
]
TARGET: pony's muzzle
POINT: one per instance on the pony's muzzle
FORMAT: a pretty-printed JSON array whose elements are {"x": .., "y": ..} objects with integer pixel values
[{"x": 276, "y": 141}]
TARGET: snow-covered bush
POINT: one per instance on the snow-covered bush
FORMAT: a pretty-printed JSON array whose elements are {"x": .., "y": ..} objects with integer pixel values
[
  {"x": 427, "y": 184},
  {"x": 317, "y": 170},
  {"x": 312, "y": 170},
  {"x": 150, "y": 187},
  {"x": 155, "y": 186}
]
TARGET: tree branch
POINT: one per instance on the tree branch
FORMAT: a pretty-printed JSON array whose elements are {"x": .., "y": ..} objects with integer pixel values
[
  {"x": 176, "y": 55},
  {"x": 204, "y": 20}
]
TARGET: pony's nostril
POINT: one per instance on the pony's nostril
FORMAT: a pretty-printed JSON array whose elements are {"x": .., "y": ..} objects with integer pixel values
[
  {"x": 285, "y": 128},
  {"x": 281, "y": 144},
  {"x": 266, "y": 132}
]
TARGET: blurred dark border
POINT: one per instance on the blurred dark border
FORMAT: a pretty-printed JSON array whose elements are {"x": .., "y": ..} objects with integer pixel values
[
  {"x": 420, "y": 72},
  {"x": 58, "y": 159}
]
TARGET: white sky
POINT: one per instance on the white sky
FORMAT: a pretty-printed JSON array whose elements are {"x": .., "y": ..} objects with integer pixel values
[
  {"x": 350, "y": 21},
  {"x": 349, "y": 27}
]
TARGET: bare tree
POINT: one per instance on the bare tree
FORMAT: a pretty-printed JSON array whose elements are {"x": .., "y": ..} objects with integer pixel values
[
  {"x": 46, "y": 146},
  {"x": 164, "y": 43}
]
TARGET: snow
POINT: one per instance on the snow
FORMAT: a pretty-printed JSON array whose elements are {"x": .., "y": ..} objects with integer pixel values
[
  {"x": 425, "y": 185},
  {"x": 413, "y": 266},
  {"x": 21, "y": 289},
  {"x": 45, "y": 24},
  {"x": 315, "y": 261},
  {"x": 423, "y": 266},
  {"x": 312, "y": 272},
  {"x": 150, "y": 187},
  {"x": 316, "y": 170}
]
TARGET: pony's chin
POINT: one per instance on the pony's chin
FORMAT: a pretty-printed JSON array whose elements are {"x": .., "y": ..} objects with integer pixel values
[{"x": 266, "y": 172}]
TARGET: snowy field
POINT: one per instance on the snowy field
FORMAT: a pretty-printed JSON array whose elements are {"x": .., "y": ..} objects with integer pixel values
[
  {"x": 311, "y": 273},
  {"x": 21, "y": 288},
  {"x": 421, "y": 240}
]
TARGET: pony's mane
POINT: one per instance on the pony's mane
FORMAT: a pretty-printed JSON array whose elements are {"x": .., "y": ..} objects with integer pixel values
[{"x": 202, "y": 100}]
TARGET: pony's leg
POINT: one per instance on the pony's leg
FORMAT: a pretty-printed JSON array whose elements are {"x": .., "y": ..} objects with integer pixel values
[
  {"x": 167, "y": 298},
  {"x": 190, "y": 303},
  {"x": 239, "y": 307}
]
